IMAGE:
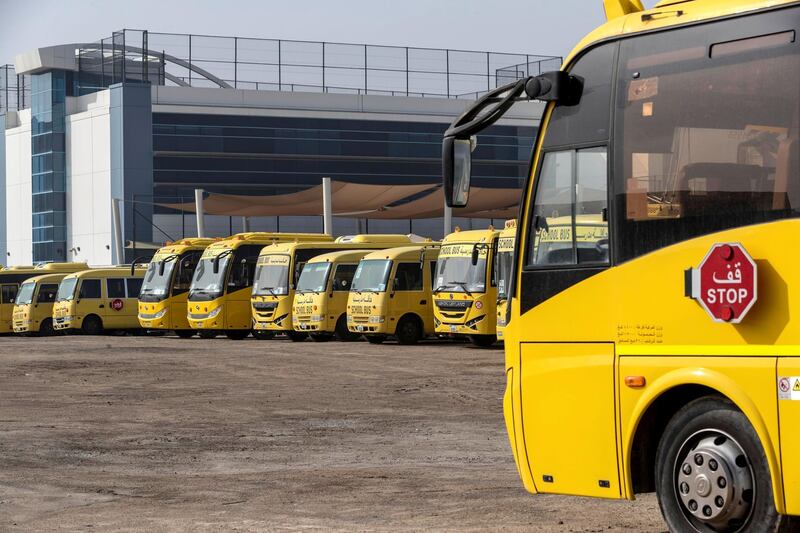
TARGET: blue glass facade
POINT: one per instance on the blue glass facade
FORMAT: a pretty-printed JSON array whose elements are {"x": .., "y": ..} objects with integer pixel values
[
  {"x": 48, "y": 162},
  {"x": 268, "y": 155}
]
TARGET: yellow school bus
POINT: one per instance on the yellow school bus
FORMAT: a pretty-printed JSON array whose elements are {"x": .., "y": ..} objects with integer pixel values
[
  {"x": 98, "y": 300},
  {"x": 33, "y": 309},
  {"x": 465, "y": 289},
  {"x": 278, "y": 270},
  {"x": 12, "y": 277},
  {"x": 391, "y": 294},
  {"x": 665, "y": 357},
  {"x": 162, "y": 301},
  {"x": 219, "y": 295},
  {"x": 320, "y": 300},
  {"x": 503, "y": 267}
]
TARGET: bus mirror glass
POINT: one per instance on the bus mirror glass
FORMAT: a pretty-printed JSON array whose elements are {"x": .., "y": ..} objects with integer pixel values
[
  {"x": 457, "y": 169},
  {"x": 161, "y": 268},
  {"x": 475, "y": 254}
]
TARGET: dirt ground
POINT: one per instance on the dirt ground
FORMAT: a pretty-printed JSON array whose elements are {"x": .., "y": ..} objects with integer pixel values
[{"x": 163, "y": 434}]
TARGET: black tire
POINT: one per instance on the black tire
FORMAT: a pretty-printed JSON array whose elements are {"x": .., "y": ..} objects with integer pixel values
[
  {"x": 342, "y": 333},
  {"x": 92, "y": 325},
  {"x": 263, "y": 335},
  {"x": 482, "y": 341},
  {"x": 710, "y": 440},
  {"x": 320, "y": 337},
  {"x": 208, "y": 334},
  {"x": 409, "y": 330},
  {"x": 296, "y": 336},
  {"x": 237, "y": 334},
  {"x": 46, "y": 328},
  {"x": 185, "y": 333},
  {"x": 375, "y": 339}
]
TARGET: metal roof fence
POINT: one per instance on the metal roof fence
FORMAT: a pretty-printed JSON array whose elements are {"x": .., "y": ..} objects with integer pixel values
[{"x": 15, "y": 90}]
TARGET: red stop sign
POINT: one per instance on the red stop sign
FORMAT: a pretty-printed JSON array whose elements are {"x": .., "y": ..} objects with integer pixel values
[
  {"x": 726, "y": 283},
  {"x": 117, "y": 304}
]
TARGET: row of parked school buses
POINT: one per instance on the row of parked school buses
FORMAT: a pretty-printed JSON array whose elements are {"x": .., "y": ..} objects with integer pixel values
[{"x": 294, "y": 284}]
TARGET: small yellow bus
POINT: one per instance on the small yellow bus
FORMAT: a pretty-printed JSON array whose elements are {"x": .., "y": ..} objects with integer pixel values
[
  {"x": 33, "y": 309},
  {"x": 12, "y": 277},
  {"x": 163, "y": 299},
  {"x": 320, "y": 301},
  {"x": 278, "y": 270},
  {"x": 98, "y": 300},
  {"x": 219, "y": 295},
  {"x": 391, "y": 294},
  {"x": 465, "y": 290}
]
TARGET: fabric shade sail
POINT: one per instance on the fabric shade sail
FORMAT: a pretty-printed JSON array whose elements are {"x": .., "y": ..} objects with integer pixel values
[{"x": 358, "y": 200}]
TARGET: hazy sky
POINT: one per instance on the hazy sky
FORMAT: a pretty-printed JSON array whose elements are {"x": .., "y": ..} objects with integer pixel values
[{"x": 549, "y": 27}]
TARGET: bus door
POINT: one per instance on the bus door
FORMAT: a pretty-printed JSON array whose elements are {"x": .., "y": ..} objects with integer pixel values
[
  {"x": 567, "y": 369},
  {"x": 407, "y": 292},
  {"x": 181, "y": 282},
  {"x": 90, "y": 302},
  {"x": 8, "y": 295},
  {"x": 239, "y": 287}
]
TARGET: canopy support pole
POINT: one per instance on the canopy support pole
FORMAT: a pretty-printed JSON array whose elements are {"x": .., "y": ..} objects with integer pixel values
[
  {"x": 200, "y": 212},
  {"x": 119, "y": 257},
  {"x": 448, "y": 220},
  {"x": 327, "y": 208},
  {"x": 245, "y": 224}
]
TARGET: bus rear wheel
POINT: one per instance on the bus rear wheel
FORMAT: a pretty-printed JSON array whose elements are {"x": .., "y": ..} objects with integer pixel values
[
  {"x": 237, "y": 334},
  {"x": 185, "y": 333},
  {"x": 264, "y": 335},
  {"x": 712, "y": 473},
  {"x": 482, "y": 341},
  {"x": 208, "y": 334},
  {"x": 296, "y": 336}
]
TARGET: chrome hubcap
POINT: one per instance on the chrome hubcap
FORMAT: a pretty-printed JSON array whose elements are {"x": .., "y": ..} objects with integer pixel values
[{"x": 714, "y": 481}]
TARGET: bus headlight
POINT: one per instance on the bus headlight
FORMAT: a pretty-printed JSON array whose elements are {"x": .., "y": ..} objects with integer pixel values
[
  {"x": 214, "y": 312},
  {"x": 474, "y": 322},
  {"x": 316, "y": 318},
  {"x": 377, "y": 319},
  {"x": 350, "y": 318},
  {"x": 501, "y": 321},
  {"x": 160, "y": 314}
]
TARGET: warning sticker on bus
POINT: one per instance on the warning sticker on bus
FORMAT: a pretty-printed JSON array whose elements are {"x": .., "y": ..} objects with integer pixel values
[{"x": 789, "y": 388}]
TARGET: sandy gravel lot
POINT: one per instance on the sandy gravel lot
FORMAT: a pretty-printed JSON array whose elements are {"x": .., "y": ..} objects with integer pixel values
[{"x": 163, "y": 434}]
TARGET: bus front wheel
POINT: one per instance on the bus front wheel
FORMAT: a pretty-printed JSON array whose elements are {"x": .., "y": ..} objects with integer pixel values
[
  {"x": 263, "y": 335},
  {"x": 46, "y": 328},
  {"x": 482, "y": 341},
  {"x": 712, "y": 473},
  {"x": 92, "y": 325}
]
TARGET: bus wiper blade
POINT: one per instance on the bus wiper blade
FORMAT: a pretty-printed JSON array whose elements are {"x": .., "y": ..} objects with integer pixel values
[
  {"x": 440, "y": 288},
  {"x": 463, "y": 285}
]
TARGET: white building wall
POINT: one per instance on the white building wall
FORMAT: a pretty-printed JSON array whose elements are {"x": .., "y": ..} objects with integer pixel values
[
  {"x": 18, "y": 206},
  {"x": 88, "y": 151}
]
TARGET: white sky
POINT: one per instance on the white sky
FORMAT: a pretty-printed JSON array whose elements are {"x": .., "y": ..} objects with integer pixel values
[{"x": 549, "y": 27}]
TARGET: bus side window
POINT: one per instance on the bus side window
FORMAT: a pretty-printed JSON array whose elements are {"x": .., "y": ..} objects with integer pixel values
[
  {"x": 432, "y": 265},
  {"x": 408, "y": 277},
  {"x": 570, "y": 213},
  {"x": 47, "y": 294},
  {"x": 183, "y": 278},
  {"x": 9, "y": 294},
  {"x": 90, "y": 288},
  {"x": 115, "y": 287},
  {"x": 243, "y": 267},
  {"x": 343, "y": 277},
  {"x": 134, "y": 286}
]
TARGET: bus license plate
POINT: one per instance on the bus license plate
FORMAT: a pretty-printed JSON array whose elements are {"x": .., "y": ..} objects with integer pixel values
[
  {"x": 453, "y": 329},
  {"x": 360, "y": 328}
]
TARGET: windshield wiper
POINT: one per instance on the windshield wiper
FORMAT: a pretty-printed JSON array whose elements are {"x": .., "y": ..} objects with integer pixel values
[
  {"x": 463, "y": 285},
  {"x": 440, "y": 288}
]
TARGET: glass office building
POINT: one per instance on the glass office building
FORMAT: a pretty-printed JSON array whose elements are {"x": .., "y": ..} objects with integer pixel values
[{"x": 146, "y": 118}]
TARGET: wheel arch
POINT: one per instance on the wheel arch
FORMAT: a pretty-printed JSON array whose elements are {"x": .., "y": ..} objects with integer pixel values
[{"x": 665, "y": 397}]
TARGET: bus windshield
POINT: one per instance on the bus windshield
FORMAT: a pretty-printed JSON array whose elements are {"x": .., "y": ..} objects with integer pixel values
[
  {"x": 314, "y": 277},
  {"x": 207, "y": 284},
  {"x": 66, "y": 289},
  {"x": 25, "y": 294},
  {"x": 458, "y": 274},
  {"x": 371, "y": 275},
  {"x": 272, "y": 275},
  {"x": 156, "y": 283}
]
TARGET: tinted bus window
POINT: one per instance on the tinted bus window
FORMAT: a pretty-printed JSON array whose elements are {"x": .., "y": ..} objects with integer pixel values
[
  {"x": 707, "y": 130},
  {"x": 90, "y": 288},
  {"x": 408, "y": 277},
  {"x": 47, "y": 294}
]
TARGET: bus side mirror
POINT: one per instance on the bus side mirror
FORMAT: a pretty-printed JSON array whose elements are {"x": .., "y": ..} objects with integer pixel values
[
  {"x": 215, "y": 265},
  {"x": 475, "y": 255},
  {"x": 457, "y": 169},
  {"x": 161, "y": 268}
]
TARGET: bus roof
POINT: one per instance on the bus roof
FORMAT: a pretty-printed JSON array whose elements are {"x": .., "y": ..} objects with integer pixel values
[
  {"x": 342, "y": 256},
  {"x": 626, "y": 17},
  {"x": 123, "y": 270},
  {"x": 234, "y": 241},
  {"x": 370, "y": 241},
  {"x": 185, "y": 245},
  {"x": 44, "y": 278},
  {"x": 405, "y": 252},
  {"x": 475, "y": 235},
  {"x": 388, "y": 238},
  {"x": 45, "y": 267}
]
